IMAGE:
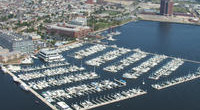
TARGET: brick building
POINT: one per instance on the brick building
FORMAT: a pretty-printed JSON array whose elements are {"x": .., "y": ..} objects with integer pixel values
[
  {"x": 166, "y": 7},
  {"x": 69, "y": 30}
]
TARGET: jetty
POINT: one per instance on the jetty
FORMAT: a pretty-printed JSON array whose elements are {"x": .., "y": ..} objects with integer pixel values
[
  {"x": 33, "y": 91},
  {"x": 176, "y": 81}
]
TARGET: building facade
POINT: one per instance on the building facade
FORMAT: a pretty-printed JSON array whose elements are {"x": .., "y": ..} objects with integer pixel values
[
  {"x": 16, "y": 42},
  {"x": 82, "y": 21},
  {"x": 9, "y": 56},
  {"x": 166, "y": 7},
  {"x": 69, "y": 30}
]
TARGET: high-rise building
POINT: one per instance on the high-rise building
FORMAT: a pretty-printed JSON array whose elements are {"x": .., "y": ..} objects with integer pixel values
[
  {"x": 91, "y": 1},
  {"x": 166, "y": 7},
  {"x": 16, "y": 42}
]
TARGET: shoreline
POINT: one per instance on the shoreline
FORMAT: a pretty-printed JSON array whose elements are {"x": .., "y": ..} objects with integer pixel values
[
  {"x": 115, "y": 26},
  {"x": 176, "y": 20},
  {"x": 36, "y": 94},
  {"x": 152, "y": 20},
  {"x": 171, "y": 22}
]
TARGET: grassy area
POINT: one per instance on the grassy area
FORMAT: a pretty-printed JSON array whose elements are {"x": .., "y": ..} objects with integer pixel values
[
  {"x": 154, "y": 1},
  {"x": 180, "y": 9},
  {"x": 102, "y": 24},
  {"x": 112, "y": 12}
]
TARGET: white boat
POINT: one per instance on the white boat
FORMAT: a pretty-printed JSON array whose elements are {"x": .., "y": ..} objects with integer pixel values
[
  {"x": 4, "y": 69},
  {"x": 129, "y": 76},
  {"x": 24, "y": 86},
  {"x": 143, "y": 83},
  {"x": 28, "y": 60},
  {"x": 15, "y": 79},
  {"x": 13, "y": 68},
  {"x": 63, "y": 106},
  {"x": 111, "y": 39}
]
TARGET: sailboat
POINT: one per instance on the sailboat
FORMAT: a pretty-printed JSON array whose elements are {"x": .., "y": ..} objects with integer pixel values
[
  {"x": 81, "y": 68},
  {"x": 143, "y": 82}
]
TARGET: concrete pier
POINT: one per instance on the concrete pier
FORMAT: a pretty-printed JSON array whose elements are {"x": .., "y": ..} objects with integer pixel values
[
  {"x": 112, "y": 101},
  {"x": 179, "y": 82},
  {"x": 33, "y": 92}
]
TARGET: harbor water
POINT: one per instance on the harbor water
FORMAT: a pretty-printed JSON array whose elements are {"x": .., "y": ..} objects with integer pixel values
[{"x": 177, "y": 40}]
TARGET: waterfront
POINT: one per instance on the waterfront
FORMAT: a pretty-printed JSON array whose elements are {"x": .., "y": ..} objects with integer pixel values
[{"x": 162, "y": 38}]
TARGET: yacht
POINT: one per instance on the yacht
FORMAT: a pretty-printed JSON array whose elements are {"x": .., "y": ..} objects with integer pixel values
[
  {"x": 63, "y": 106},
  {"x": 24, "y": 86},
  {"x": 15, "y": 79},
  {"x": 143, "y": 82},
  {"x": 111, "y": 39},
  {"x": 50, "y": 55},
  {"x": 129, "y": 76},
  {"x": 27, "y": 60},
  {"x": 4, "y": 69}
]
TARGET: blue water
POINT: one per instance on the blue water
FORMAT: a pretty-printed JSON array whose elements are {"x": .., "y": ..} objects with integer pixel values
[{"x": 171, "y": 39}]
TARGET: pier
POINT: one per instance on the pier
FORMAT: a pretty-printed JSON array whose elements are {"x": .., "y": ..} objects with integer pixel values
[
  {"x": 186, "y": 60},
  {"x": 176, "y": 81},
  {"x": 113, "y": 100},
  {"x": 33, "y": 92}
]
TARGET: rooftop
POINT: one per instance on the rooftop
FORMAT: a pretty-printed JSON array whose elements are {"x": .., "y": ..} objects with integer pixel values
[
  {"x": 49, "y": 51},
  {"x": 11, "y": 36},
  {"x": 68, "y": 27}
]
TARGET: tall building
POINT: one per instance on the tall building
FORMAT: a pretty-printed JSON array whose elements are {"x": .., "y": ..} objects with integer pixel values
[
  {"x": 100, "y": 1},
  {"x": 166, "y": 7},
  {"x": 91, "y": 1},
  {"x": 16, "y": 42}
]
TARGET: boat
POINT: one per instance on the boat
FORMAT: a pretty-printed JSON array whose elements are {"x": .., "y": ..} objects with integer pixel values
[
  {"x": 28, "y": 60},
  {"x": 13, "y": 68},
  {"x": 115, "y": 33},
  {"x": 111, "y": 39},
  {"x": 15, "y": 79},
  {"x": 4, "y": 69},
  {"x": 128, "y": 76},
  {"x": 143, "y": 82},
  {"x": 63, "y": 106},
  {"x": 24, "y": 86}
]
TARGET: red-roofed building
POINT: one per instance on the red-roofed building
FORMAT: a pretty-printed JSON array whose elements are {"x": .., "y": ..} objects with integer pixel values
[{"x": 90, "y": 2}]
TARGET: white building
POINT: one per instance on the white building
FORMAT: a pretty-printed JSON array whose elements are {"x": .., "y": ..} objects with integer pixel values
[{"x": 79, "y": 21}]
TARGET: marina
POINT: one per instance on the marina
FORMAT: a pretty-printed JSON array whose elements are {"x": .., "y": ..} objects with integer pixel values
[
  {"x": 125, "y": 62},
  {"x": 145, "y": 66},
  {"x": 49, "y": 72},
  {"x": 44, "y": 66},
  {"x": 51, "y": 79},
  {"x": 45, "y": 83},
  {"x": 178, "y": 80},
  {"x": 111, "y": 55},
  {"x": 167, "y": 69},
  {"x": 116, "y": 97},
  {"x": 75, "y": 84},
  {"x": 89, "y": 51},
  {"x": 80, "y": 90},
  {"x": 57, "y": 82}
]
